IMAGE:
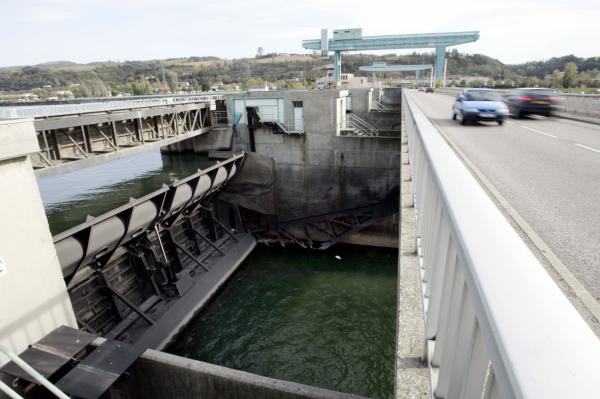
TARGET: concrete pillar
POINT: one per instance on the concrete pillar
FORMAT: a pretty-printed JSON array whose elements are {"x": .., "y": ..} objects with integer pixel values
[
  {"x": 440, "y": 56},
  {"x": 33, "y": 295}
]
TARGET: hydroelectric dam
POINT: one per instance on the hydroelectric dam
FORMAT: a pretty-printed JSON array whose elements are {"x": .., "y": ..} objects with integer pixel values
[
  {"x": 335, "y": 243},
  {"x": 250, "y": 239}
]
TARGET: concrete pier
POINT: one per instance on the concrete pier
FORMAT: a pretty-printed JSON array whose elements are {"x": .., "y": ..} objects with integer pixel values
[{"x": 30, "y": 276}]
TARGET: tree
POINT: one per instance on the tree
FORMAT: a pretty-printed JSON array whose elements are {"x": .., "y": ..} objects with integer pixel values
[
  {"x": 570, "y": 76},
  {"x": 141, "y": 86},
  {"x": 172, "y": 81},
  {"x": 254, "y": 82},
  {"x": 532, "y": 81},
  {"x": 259, "y": 52},
  {"x": 81, "y": 91},
  {"x": 556, "y": 79}
]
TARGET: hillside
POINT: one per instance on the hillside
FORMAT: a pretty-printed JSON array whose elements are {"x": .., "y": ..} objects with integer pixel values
[{"x": 295, "y": 70}]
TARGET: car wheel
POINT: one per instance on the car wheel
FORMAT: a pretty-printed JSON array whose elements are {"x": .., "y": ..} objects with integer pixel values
[
  {"x": 500, "y": 122},
  {"x": 517, "y": 114},
  {"x": 453, "y": 116},
  {"x": 463, "y": 120}
]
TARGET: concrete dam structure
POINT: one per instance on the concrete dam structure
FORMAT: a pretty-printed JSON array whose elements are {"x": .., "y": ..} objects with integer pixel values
[{"x": 301, "y": 168}]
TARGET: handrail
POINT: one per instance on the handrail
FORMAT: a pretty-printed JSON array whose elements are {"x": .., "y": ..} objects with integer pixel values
[
  {"x": 32, "y": 372},
  {"x": 363, "y": 127},
  {"x": 102, "y": 104},
  {"x": 496, "y": 324}
]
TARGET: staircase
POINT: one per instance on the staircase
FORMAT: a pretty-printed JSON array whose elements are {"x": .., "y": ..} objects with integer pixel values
[{"x": 360, "y": 126}]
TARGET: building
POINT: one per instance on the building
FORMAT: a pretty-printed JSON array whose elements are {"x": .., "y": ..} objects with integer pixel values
[{"x": 349, "y": 81}]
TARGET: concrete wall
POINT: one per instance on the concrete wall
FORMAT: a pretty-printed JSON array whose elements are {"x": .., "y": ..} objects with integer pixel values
[
  {"x": 319, "y": 167},
  {"x": 161, "y": 375},
  {"x": 33, "y": 298},
  {"x": 379, "y": 120}
]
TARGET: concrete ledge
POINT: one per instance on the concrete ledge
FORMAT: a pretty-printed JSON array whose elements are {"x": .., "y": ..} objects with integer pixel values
[
  {"x": 162, "y": 375},
  {"x": 18, "y": 138},
  {"x": 412, "y": 374}
]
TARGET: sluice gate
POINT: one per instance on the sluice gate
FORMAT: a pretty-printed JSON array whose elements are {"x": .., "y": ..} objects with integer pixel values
[{"x": 131, "y": 270}]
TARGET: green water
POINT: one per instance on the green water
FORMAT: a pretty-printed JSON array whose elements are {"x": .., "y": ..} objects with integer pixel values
[
  {"x": 69, "y": 197},
  {"x": 307, "y": 317}
]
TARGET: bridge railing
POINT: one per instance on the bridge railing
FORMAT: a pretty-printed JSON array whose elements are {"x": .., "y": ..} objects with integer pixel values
[
  {"x": 103, "y": 104},
  {"x": 496, "y": 324}
]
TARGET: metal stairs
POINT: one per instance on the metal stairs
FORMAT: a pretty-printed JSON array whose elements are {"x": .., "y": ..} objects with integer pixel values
[{"x": 360, "y": 126}]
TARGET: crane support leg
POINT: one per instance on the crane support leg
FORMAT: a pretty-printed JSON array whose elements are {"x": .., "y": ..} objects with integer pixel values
[
  {"x": 337, "y": 67},
  {"x": 440, "y": 55}
]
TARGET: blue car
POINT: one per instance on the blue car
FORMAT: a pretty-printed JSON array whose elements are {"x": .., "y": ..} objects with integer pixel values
[{"x": 479, "y": 105}]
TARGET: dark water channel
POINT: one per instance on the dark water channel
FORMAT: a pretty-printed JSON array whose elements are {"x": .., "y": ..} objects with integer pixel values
[
  {"x": 69, "y": 197},
  {"x": 307, "y": 317},
  {"x": 303, "y": 316}
]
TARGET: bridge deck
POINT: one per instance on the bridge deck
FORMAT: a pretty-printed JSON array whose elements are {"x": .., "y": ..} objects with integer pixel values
[{"x": 547, "y": 171}]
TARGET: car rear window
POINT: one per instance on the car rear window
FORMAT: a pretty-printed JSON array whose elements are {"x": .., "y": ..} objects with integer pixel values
[{"x": 482, "y": 95}]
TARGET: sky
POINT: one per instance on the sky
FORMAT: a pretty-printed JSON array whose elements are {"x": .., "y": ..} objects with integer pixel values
[{"x": 513, "y": 31}]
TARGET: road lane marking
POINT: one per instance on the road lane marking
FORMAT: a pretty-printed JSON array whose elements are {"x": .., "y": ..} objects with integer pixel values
[
  {"x": 538, "y": 131},
  {"x": 587, "y": 148}
]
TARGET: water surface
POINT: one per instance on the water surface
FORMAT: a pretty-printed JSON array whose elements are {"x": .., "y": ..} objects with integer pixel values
[
  {"x": 69, "y": 197},
  {"x": 307, "y": 317}
]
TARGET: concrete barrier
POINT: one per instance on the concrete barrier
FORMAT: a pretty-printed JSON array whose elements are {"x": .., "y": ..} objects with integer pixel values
[{"x": 162, "y": 375}]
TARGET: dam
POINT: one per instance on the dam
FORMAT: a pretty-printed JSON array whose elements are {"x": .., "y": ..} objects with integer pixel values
[{"x": 263, "y": 209}]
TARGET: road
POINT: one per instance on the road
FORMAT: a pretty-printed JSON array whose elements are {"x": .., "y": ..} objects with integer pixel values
[{"x": 547, "y": 169}]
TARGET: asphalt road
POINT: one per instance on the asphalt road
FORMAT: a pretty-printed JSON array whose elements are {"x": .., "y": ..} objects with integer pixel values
[{"x": 547, "y": 169}]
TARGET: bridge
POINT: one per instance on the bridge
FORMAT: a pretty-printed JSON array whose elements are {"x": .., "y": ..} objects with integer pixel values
[
  {"x": 494, "y": 300},
  {"x": 96, "y": 131}
]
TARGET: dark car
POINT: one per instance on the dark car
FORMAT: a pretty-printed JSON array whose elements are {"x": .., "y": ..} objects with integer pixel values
[
  {"x": 532, "y": 101},
  {"x": 479, "y": 105},
  {"x": 429, "y": 90}
]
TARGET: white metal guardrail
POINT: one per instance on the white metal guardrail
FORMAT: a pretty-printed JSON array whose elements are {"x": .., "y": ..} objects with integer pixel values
[
  {"x": 103, "y": 104},
  {"x": 582, "y": 104},
  {"x": 497, "y": 326}
]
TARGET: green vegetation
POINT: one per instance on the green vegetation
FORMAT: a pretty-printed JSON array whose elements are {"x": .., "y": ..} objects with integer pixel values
[{"x": 286, "y": 71}]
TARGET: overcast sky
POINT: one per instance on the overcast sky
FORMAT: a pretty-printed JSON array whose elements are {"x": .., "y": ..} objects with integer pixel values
[{"x": 35, "y": 31}]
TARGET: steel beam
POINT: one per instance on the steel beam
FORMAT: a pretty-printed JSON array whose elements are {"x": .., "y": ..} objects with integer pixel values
[{"x": 390, "y": 42}]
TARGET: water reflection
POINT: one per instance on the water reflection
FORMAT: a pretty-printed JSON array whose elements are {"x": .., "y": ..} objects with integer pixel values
[
  {"x": 69, "y": 197},
  {"x": 323, "y": 318}
]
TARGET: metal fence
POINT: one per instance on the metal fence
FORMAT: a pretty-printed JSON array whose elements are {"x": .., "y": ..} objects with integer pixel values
[
  {"x": 103, "y": 104},
  {"x": 496, "y": 324}
]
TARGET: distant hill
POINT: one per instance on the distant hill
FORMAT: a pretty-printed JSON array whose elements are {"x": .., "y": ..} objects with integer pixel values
[
  {"x": 56, "y": 64},
  {"x": 302, "y": 69}
]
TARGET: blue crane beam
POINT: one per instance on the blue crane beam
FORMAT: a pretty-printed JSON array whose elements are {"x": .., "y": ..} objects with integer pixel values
[
  {"x": 389, "y": 42},
  {"x": 439, "y": 41}
]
